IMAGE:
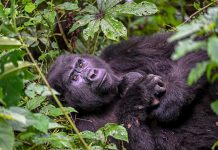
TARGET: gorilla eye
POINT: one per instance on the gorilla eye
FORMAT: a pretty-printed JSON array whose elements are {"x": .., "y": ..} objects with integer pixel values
[
  {"x": 80, "y": 63},
  {"x": 74, "y": 77}
]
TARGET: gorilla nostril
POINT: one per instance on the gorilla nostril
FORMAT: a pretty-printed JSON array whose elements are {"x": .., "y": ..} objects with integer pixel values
[
  {"x": 160, "y": 84},
  {"x": 92, "y": 74}
]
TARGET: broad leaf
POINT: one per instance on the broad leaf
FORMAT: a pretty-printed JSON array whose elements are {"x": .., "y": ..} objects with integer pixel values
[
  {"x": 186, "y": 46},
  {"x": 213, "y": 49},
  {"x": 6, "y": 136},
  {"x": 9, "y": 43},
  {"x": 51, "y": 110},
  {"x": 90, "y": 9},
  {"x": 35, "y": 102},
  {"x": 82, "y": 22},
  {"x": 30, "y": 7},
  {"x": 197, "y": 72},
  {"x": 143, "y": 8},
  {"x": 92, "y": 28},
  {"x": 214, "y": 106},
  {"x": 68, "y": 6},
  {"x": 112, "y": 28},
  {"x": 41, "y": 123},
  {"x": 116, "y": 131}
]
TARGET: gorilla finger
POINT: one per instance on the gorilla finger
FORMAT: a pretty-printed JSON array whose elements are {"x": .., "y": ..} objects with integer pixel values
[{"x": 159, "y": 89}]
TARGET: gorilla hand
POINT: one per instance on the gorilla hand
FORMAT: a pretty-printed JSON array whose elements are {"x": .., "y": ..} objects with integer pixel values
[{"x": 153, "y": 88}]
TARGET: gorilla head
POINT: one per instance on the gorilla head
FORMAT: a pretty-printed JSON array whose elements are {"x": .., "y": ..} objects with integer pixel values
[{"x": 84, "y": 82}]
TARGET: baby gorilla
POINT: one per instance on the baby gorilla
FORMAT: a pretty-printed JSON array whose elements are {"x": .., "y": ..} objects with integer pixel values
[{"x": 135, "y": 83}]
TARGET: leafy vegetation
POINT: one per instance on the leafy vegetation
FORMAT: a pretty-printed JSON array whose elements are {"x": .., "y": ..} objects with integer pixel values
[{"x": 33, "y": 33}]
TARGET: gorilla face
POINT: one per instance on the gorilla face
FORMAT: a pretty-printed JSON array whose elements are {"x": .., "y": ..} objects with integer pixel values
[{"x": 85, "y": 82}]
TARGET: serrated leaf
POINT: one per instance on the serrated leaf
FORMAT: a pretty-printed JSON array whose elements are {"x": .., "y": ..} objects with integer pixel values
[
  {"x": 88, "y": 135},
  {"x": 58, "y": 112},
  {"x": 143, "y": 8},
  {"x": 41, "y": 123},
  {"x": 35, "y": 102},
  {"x": 214, "y": 106},
  {"x": 57, "y": 140},
  {"x": 91, "y": 29},
  {"x": 197, "y": 72},
  {"x": 112, "y": 28},
  {"x": 67, "y": 6},
  {"x": 50, "y": 17},
  {"x": 30, "y": 7},
  {"x": 82, "y": 22},
  {"x": 9, "y": 43},
  {"x": 33, "y": 90},
  {"x": 6, "y": 136},
  {"x": 186, "y": 46},
  {"x": 51, "y": 110},
  {"x": 212, "y": 49},
  {"x": 116, "y": 131}
]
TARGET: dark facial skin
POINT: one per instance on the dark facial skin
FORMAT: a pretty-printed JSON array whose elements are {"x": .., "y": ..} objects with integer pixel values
[{"x": 84, "y": 82}]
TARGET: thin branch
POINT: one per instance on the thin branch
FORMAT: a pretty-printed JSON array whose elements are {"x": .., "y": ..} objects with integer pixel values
[
  {"x": 197, "y": 12},
  {"x": 63, "y": 35}
]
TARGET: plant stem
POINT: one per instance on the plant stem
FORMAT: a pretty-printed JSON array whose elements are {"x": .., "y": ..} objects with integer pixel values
[{"x": 197, "y": 12}]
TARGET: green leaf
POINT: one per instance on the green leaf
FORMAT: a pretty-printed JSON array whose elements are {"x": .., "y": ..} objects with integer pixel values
[
  {"x": 90, "y": 9},
  {"x": 41, "y": 123},
  {"x": 89, "y": 135},
  {"x": 58, "y": 112},
  {"x": 215, "y": 145},
  {"x": 197, "y": 72},
  {"x": 186, "y": 46},
  {"x": 143, "y": 8},
  {"x": 214, "y": 106},
  {"x": 51, "y": 110},
  {"x": 57, "y": 140},
  {"x": 9, "y": 43},
  {"x": 111, "y": 3},
  {"x": 35, "y": 102},
  {"x": 9, "y": 68},
  {"x": 50, "y": 17},
  {"x": 3, "y": 15},
  {"x": 92, "y": 28},
  {"x": 97, "y": 148},
  {"x": 116, "y": 131},
  {"x": 112, "y": 28},
  {"x": 68, "y": 6},
  {"x": 6, "y": 136},
  {"x": 30, "y": 7},
  {"x": 213, "y": 49},
  {"x": 101, "y": 4},
  {"x": 82, "y": 22},
  {"x": 111, "y": 146},
  {"x": 34, "y": 90}
]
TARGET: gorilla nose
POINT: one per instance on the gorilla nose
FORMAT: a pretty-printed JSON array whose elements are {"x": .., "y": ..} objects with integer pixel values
[{"x": 92, "y": 74}]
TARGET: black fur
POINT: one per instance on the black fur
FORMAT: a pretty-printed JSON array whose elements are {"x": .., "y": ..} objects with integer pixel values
[{"x": 181, "y": 117}]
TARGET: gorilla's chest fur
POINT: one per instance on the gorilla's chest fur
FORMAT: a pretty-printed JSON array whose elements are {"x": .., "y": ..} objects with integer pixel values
[{"x": 95, "y": 120}]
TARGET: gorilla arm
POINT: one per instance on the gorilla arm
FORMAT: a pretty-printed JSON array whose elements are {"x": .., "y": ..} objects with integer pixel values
[{"x": 178, "y": 93}]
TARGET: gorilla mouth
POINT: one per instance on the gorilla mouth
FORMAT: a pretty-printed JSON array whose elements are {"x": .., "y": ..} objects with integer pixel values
[{"x": 103, "y": 80}]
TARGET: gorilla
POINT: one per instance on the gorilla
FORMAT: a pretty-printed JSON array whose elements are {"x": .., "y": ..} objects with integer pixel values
[{"x": 135, "y": 83}]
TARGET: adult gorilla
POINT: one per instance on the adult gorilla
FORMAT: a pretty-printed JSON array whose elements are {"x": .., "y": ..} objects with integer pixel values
[{"x": 136, "y": 83}]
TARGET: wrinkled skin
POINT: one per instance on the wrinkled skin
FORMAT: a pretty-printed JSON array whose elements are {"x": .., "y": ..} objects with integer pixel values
[{"x": 135, "y": 83}]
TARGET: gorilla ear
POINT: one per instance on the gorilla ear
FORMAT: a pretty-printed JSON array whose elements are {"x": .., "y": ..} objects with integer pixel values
[{"x": 128, "y": 81}]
